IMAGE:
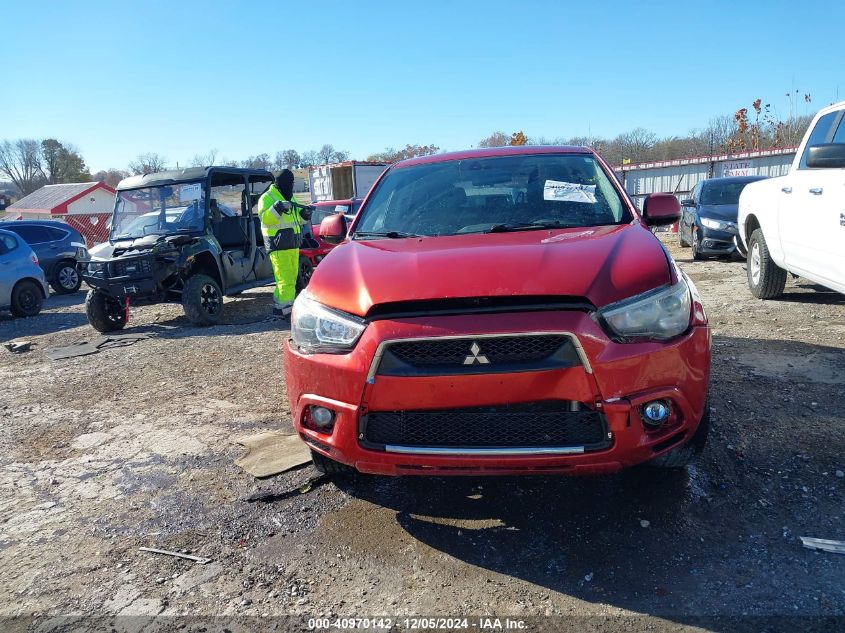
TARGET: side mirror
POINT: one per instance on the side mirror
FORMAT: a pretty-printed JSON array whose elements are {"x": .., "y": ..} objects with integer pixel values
[
  {"x": 661, "y": 209},
  {"x": 687, "y": 202},
  {"x": 826, "y": 156},
  {"x": 333, "y": 228}
]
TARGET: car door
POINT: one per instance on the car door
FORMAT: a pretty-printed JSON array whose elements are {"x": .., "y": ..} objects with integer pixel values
[
  {"x": 809, "y": 223},
  {"x": 8, "y": 268},
  {"x": 688, "y": 213}
]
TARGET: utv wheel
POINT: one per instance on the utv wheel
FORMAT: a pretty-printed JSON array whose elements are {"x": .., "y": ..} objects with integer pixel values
[
  {"x": 682, "y": 455},
  {"x": 766, "y": 280},
  {"x": 26, "y": 299},
  {"x": 105, "y": 314},
  {"x": 202, "y": 300},
  {"x": 66, "y": 279},
  {"x": 329, "y": 466},
  {"x": 696, "y": 246},
  {"x": 306, "y": 269}
]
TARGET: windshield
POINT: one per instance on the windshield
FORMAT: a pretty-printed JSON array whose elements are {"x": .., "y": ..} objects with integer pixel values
[
  {"x": 723, "y": 192},
  {"x": 492, "y": 194},
  {"x": 161, "y": 210}
]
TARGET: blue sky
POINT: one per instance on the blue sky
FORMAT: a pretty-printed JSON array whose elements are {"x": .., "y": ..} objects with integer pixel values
[{"x": 181, "y": 77}]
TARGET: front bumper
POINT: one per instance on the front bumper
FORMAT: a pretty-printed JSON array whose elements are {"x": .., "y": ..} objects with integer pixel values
[
  {"x": 715, "y": 242},
  {"x": 139, "y": 278},
  {"x": 614, "y": 380}
]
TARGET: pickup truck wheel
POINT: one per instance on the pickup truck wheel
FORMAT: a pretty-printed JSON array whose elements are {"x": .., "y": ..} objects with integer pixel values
[
  {"x": 696, "y": 246},
  {"x": 766, "y": 280},
  {"x": 66, "y": 279},
  {"x": 682, "y": 455},
  {"x": 202, "y": 300},
  {"x": 329, "y": 466},
  {"x": 105, "y": 314},
  {"x": 26, "y": 299}
]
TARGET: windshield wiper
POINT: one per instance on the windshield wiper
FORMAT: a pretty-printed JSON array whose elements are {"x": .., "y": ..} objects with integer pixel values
[
  {"x": 393, "y": 235},
  {"x": 524, "y": 226}
]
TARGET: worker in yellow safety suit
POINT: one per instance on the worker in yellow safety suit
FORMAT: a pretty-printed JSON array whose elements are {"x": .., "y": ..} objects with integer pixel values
[{"x": 281, "y": 226}]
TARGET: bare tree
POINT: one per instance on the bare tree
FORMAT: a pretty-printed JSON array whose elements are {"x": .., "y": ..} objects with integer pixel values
[
  {"x": 340, "y": 155},
  {"x": 204, "y": 160},
  {"x": 262, "y": 161},
  {"x": 21, "y": 162},
  {"x": 325, "y": 153},
  {"x": 110, "y": 176},
  {"x": 392, "y": 155},
  {"x": 148, "y": 163},
  {"x": 286, "y": 159},
  {"x": 309, "y": 158},
  {"x": 496, "y": 139}
]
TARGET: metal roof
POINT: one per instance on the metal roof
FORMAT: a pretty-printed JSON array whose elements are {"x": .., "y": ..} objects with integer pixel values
[
  {"x": 51, "y": 196},
  {"x": 183, "y": 175}
]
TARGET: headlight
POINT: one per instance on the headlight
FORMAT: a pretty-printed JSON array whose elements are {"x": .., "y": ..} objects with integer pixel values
[
  {"x": 710, "y": 223},
  {"x": 316, "y": 328},
  {"x": 96, "y": 267},
  {"x": 658, "y": 314}
]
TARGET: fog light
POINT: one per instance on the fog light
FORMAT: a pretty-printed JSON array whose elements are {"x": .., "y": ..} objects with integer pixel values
[
  {"x": 656, "y": 412},
  {"x": 321, "y": 418}
]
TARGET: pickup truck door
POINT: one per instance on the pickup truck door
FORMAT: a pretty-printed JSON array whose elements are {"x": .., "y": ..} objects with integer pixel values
[{"x": 811, "y": 201}]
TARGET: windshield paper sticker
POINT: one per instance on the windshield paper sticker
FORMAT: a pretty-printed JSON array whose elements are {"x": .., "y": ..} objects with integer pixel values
[
  {"x": 191, "y": 192},
  {"x": 558, "y": 191}
]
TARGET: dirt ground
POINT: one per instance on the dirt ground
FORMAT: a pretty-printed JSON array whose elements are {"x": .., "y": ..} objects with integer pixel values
[{"x": 132, "y": 447}]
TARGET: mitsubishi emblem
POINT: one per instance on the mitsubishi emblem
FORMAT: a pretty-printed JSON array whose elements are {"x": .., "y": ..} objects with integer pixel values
[{"x": 474, "y": 356}]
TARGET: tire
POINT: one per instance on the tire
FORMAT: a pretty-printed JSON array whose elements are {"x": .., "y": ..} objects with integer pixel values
[
  {"x": 329, "y": 466},
  {"x": 66, "y": 279},
  {"x": 682, "y": 455},
  {"x": 306, "y": 269},
  {"x": 105, "y": 314},
  {"x": 202, "y": 300},
  {"x": 696, "y": 247},
  {"x": 26, "y": 299},
  {"x": 766, "y": 280},
  {"x": 681, "y": 241}
]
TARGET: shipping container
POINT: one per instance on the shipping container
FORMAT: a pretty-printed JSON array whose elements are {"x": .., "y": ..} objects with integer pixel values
[{"x": 343, "y": 181}]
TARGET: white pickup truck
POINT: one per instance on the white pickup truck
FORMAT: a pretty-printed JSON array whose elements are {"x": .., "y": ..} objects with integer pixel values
[{"x": 796, "y": 223}]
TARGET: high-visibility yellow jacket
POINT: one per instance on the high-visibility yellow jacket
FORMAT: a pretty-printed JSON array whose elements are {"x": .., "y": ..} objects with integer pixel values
[{"x": 281, "y": 231}]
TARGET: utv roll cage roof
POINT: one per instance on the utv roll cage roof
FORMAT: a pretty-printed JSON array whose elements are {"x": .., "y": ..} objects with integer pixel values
[{"x": 174, "y": 176}]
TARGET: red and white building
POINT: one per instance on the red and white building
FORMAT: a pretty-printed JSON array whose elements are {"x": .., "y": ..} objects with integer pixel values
[{"x": 86, "y": 206}]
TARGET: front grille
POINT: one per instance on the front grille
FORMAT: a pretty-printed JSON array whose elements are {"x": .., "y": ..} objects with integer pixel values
[
  {"x": 524, "y": 425},
  {"x": 131, "y": 267},
  {"x": 483, "y": 354}
]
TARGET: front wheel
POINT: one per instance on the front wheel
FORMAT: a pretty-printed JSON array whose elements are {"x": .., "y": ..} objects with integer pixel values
[
  {"x": 105, "y": 314},
  {"x": 202, "y": 300},
  {"x": 66, "y": 279},
  {"x": 696, "y": 245},
  {"x": 26, "y": 299},
  {"x": 306, "y": 269},
  {"x": 766, "y": 280}
]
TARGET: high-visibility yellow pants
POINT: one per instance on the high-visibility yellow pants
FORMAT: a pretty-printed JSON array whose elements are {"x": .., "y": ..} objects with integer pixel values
[{"x": 285, "y": 269}]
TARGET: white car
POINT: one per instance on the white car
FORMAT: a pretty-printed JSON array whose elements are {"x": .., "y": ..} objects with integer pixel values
[{"x": 796, "y": 223}]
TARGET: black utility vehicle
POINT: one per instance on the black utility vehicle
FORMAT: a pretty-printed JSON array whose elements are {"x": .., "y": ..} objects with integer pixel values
[{"x": 189, "y": 235}]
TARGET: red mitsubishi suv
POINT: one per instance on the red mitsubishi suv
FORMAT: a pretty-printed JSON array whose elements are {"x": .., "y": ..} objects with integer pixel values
[{"x": 499, "y": 311}]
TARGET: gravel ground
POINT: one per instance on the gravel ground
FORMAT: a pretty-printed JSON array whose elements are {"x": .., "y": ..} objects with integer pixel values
[{"x": 133, "y": 447}]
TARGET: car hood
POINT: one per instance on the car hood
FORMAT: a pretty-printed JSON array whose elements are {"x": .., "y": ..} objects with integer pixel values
[
  {"x": 725, "y": 212},
  {"x": 600, "y": 264}
]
